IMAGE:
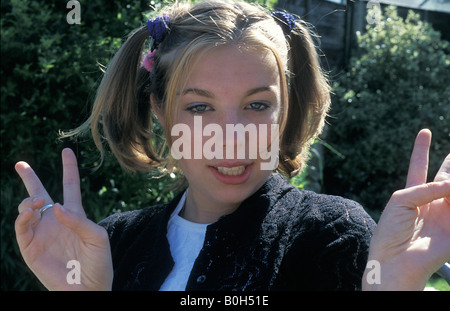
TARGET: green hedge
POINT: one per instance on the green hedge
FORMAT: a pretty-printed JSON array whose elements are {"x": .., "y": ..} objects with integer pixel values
[{"x": 397, "y": 83}]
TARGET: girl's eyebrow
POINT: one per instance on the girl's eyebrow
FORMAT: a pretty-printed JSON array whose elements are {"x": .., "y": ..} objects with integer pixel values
[
  {"x": 207, "y": 94},
  {"x": 259, "y": 90},
  {"x": 199, "y": 92}
]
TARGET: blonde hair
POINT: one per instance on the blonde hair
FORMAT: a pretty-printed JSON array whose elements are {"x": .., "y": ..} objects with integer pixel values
[{"x": 122, "y": 102}]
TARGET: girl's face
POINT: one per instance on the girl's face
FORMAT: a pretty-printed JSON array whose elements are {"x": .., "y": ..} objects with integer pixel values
[{"x": 228, "y": 86}]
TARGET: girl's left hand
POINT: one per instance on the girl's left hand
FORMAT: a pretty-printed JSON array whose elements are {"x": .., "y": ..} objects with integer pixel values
[{"x": 412, "y": 239}]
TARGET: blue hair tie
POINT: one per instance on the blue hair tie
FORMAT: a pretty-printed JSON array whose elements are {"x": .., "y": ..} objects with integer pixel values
[
  {"x": 158, "y": 28},
  {"x": 285, "y": 20}
]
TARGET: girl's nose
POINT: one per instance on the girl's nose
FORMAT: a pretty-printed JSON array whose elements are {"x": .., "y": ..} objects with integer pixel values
[
  {"x": 229, "y": 116},
  {"x": 236, "y": 134}
]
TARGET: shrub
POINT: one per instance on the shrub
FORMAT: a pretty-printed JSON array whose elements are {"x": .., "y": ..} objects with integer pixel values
[{"x": 397, "y": 83}]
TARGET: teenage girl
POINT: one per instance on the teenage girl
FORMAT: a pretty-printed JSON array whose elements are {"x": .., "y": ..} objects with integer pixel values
[{"x": 237, "y": 226}]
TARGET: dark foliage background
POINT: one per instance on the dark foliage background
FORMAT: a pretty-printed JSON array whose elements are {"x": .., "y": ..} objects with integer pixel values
[{"x": 398, "y": 82}]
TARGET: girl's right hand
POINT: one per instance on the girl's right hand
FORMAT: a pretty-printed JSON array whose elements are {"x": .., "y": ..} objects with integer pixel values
[{"x": 62, "y": 234}]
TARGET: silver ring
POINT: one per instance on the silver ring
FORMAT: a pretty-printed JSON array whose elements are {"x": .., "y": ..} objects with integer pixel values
[{"x": 43, "y": 209}]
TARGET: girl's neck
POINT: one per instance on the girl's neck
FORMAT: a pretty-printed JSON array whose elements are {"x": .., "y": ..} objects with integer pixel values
[{"x": 201, "y": 210}]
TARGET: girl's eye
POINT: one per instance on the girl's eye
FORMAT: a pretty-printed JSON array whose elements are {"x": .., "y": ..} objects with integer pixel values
[
  {"x": 198, "y": 108},
  {"x": 258, "y": 106}
]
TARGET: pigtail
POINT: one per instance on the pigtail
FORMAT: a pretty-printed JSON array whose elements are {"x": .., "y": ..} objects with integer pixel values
[
  {"x": 122, "y": 110},
  {"x": 309, "y": 100}
]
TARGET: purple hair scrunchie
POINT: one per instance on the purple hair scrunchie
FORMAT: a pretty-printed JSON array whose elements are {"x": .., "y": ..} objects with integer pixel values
[
  {"x": 285, "y": 20},
  {"x": 158, "y": 28}
]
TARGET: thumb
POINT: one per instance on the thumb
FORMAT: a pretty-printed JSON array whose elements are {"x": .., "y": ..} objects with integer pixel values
[
  {"x": 79, "y": 224},
  {"x": 444, "y": 173}
]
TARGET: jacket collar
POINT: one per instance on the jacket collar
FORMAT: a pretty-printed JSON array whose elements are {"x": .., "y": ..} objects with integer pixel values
[{"x": 258, "y": 204}]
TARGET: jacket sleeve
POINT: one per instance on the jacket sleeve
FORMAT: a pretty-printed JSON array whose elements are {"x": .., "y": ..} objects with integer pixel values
[
  {"x": 121, "y": 229},
  {"x": 124, "y": 229}
]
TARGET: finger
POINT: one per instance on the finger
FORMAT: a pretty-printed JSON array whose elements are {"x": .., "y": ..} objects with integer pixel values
[
  {"x": 83, "y": 227},
  {"x": 422, "y": 194},
  {"x": 24, "y": 231},
  {"x": 33, "y": 203},
  {"x": 444, "y": 171},
  {"x": 32, "y": 182},
  {"x": 71, "y": 178},
  {"x": 418, "y": 165}
]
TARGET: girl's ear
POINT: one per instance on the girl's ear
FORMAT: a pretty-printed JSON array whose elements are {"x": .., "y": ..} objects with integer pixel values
[{"x": 158, "y": 111}]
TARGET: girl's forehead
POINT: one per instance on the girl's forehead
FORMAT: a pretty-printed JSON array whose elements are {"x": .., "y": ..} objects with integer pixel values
[{"x": 231, "y": 66}]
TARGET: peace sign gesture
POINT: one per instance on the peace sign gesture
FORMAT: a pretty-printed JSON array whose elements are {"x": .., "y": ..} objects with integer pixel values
[
  {"x": 412, "y": 239},
  {"x": 51, "y": 237}
]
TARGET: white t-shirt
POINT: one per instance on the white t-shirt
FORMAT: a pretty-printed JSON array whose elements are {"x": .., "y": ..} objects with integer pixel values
[{"x": 186, "y": 240}]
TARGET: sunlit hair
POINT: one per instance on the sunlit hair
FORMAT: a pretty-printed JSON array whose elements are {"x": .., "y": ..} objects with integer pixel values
[{"x": 122, "y": 103}]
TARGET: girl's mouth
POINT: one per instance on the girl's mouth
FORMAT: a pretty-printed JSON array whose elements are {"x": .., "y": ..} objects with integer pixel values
[
  {"x": 232, "y": 175},
  {"x": 231, "y": 171}
]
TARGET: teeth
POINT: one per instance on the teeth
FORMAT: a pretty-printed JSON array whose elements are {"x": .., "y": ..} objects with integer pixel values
[{"x": 231, "y": 171}]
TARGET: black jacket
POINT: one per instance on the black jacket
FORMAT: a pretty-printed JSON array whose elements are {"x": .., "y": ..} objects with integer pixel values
[{"x": 280, "y": 238}]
